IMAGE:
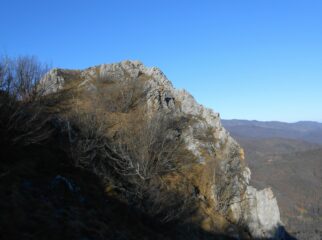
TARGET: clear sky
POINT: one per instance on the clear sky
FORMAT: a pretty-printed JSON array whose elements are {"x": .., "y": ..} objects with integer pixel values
[{"x": 247, "y": 59}]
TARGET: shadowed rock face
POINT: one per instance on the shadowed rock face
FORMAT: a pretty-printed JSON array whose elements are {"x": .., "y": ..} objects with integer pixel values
[{"x": 214, "y": 150}]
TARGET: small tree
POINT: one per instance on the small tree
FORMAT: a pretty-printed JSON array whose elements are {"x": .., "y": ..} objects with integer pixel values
[
  {"x": 21, "y": 121},
  {"x": 20, "y": 77}
]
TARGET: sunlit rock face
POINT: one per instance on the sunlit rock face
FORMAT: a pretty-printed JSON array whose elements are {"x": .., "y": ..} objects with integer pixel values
[
  {"x": 211, "y": 145},
  {"x": 52, "y": 82},
  {"x": 262, "y": 215}
]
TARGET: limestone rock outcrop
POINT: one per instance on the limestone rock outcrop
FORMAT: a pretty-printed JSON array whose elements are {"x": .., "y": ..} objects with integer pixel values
[
  {"x": 216, "y": 152},
  {"x": 263, "y": 216}
]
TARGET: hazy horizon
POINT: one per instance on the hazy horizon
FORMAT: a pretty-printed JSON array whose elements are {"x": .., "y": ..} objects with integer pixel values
[
  {"x": 230, "y": 119},
  {"x": 246, "y": 60}
]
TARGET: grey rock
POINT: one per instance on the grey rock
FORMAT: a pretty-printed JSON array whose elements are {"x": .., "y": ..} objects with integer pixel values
[
  {"x": 52, "y": 82},
  {"x": 262, "y": 213}
]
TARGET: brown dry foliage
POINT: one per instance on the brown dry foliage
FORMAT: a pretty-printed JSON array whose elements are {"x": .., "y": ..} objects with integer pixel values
[
  {"x": 131, "y": 150},
  {"x": 120, "y": 96}
]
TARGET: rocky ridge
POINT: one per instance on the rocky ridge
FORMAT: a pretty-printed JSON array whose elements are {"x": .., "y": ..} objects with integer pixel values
[{"x": 205, "y": 137}]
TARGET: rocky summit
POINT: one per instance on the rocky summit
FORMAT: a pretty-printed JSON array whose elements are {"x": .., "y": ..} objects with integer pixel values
[{"x": 217, "y": 171}]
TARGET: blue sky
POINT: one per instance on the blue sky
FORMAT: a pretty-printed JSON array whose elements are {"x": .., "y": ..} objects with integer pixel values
[{"x": 245, "y": 59}]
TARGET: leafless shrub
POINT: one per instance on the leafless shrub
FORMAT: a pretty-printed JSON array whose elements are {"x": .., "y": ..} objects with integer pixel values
[
  {"x": 22, "y": 124},
  {"x": 22, "y": 121},
  {"x": 149, "y": 146},
  {"x": 140, "y": 151},
  {"x": 152, "y": 148},
  {"x": 135, "y": 161},
  {"x": 87, "y": 142},
  {"x": 137, "y": 153},
  {"x": 19, "y": 77}
]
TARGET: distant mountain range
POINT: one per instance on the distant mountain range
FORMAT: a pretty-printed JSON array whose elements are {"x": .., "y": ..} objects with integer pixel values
[
  {"x": 304, "y": 130},
  {"x": 288, "y": 157}
]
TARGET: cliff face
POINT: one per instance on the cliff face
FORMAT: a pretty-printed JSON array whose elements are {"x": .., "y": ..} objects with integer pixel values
[{"x": 218, "y": 171}]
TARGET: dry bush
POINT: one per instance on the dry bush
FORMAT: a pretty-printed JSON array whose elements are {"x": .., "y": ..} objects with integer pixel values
[
  {"x": 135, "y": 161},
  {"x": 22, "y": 124},
  {"x": 121, "y": 96},
  {"x": 169, "y": 199},
  {"x": 149, "y": 145},
  {"x": 88, "y": 142},
  {"x": 140, "y": 150},
  {"x": 131, "y": 150},
  {"x": 152, "y": 149}
]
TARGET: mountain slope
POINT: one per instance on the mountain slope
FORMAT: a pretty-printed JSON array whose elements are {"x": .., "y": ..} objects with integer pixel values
[
  {"x": 305, "y": 131},
  {"x": 292, "y": 167}
]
